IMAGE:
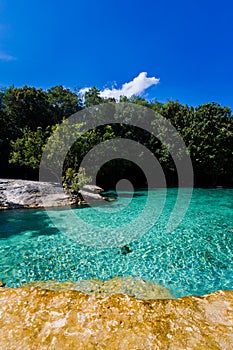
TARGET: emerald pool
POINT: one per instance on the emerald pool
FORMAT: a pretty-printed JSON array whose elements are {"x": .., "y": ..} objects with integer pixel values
[{"x": 195, "y": 258}]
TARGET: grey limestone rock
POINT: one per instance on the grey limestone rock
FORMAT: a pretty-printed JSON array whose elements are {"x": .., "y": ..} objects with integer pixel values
[{"x": 32, "y": 194}]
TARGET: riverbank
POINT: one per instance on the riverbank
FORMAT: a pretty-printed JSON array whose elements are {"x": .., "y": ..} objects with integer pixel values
[{"x": 34, "y": 318}]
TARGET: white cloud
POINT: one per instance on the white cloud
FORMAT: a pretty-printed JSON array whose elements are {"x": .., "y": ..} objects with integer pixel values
[
  {"x": 6, "y": 57},
  {"x": 83, "y": 91},
  {"x": 135, "y": 87}
]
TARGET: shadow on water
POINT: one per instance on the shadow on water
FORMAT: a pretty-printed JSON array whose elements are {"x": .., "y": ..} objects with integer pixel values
[
  {"x": 36, "y": 222},
  {"x": 25, "y": 221},
  {"x": 125, "y": 194}
]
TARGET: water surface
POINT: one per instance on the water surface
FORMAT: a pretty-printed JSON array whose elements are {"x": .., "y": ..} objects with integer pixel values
[{"x": 195, "y": 258}]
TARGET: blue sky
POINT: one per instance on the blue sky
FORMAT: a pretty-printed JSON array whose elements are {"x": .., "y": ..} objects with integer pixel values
[{"x": 187, "y": 45}]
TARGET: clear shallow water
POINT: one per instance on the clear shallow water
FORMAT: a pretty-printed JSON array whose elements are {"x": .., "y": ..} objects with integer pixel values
[{"x": 196, "y": 258}]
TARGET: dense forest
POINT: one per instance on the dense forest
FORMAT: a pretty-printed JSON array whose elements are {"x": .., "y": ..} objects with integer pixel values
[{"x": 29, "y": 115}]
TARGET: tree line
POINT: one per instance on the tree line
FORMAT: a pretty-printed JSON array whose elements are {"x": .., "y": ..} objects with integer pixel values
[{"x": 29, "y": 115}]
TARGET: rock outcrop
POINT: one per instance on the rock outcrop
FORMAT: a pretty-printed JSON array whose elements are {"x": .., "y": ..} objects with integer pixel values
[
  {"x": 28, "y": 194},
  {"x": 92, "y": 194},
  {"x": 33, "y": 194},
  {"x": 34, "y": 318}
]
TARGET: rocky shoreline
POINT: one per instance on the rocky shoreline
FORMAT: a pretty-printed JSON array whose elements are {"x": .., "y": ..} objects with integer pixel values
[
  {"x": 37, "y": 318},
  {"x": 16, "y": 194}
]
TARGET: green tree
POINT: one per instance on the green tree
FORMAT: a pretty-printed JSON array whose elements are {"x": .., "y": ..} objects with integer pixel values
[
  {"x": 63, "y": 103},
  {"x": 92, "y": 97},
  {"x": 25, "y": 107},
  {"x": 73, "y": 180},
  {"x": 27, "y": 150},
  {"x": 210, "y": 141}
]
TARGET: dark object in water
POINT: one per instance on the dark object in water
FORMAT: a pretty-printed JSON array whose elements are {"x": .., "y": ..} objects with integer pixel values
[{"x": 125, "y": 250}]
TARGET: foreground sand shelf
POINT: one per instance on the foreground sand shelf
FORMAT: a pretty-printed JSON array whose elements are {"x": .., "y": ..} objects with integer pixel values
[{"x": 35, "y": 318}]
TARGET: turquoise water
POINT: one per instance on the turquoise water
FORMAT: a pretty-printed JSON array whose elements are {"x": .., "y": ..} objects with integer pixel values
[{"x": 195, "y": 258}]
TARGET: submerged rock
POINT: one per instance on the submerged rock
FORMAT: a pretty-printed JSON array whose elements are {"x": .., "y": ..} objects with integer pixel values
[
  {"x": 46, "y": 319},
  {"x": 135, "y": 287},
  {"x": 125, "y": 250}
]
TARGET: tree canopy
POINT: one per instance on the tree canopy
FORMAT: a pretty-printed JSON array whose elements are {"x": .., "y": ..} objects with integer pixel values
[{"x": 29, "y": 115}]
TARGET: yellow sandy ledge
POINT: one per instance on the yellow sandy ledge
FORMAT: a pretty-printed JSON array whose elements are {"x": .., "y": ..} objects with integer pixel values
[{"x": 35, "y": 318}]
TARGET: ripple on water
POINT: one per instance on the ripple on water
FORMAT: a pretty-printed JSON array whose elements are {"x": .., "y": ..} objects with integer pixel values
[{"x": 196, "y": 258}]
